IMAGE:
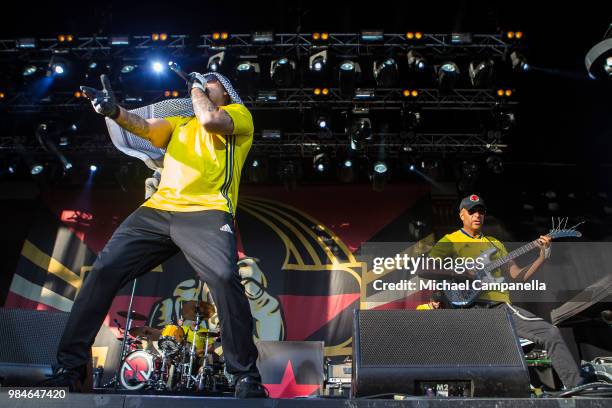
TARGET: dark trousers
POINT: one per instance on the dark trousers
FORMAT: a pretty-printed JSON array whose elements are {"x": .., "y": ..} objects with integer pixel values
[
  {"x": 144, "y": 240},
  {"x": 538, "y": 330}
]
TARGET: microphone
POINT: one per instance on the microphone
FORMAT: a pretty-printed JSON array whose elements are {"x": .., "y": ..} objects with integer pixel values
[{"x": 178, "y": 70}]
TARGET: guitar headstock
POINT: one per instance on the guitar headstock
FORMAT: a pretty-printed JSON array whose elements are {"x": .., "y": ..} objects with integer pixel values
[{"x": 560, "y": 230}]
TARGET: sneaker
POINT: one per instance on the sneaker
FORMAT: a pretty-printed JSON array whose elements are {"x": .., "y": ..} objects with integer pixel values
[
  {"x": 65, "y": 377},
  {"x": 250, "y": 387}
]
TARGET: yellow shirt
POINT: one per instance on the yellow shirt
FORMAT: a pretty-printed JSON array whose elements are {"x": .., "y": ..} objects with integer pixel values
[
  {"x": 459, "y": 244},
  {"x": 201, "y": 169},
  {"x": 424, "y": 306}
]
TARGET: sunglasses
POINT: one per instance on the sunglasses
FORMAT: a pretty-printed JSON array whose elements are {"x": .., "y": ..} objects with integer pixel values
[{"x": 478, "y": 210}]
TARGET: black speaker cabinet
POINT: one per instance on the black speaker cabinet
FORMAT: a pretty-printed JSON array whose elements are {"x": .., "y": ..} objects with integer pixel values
[
  {"x": 443, "y": 353},
  {"x": 28, "y": 345}
]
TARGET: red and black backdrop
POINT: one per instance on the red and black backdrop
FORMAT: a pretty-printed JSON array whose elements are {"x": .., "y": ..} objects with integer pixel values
[{"x": 299, "y": 266}]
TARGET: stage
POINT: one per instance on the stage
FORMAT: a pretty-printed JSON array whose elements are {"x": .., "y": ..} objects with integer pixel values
[{"x": 153, "y": 401}]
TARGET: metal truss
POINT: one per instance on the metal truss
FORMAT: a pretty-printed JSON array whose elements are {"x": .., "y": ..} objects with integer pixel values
[
  {"x": 90, "y": 47},
  {"x": 295, "y": 145},
  {"x": 284, "y": 99}
]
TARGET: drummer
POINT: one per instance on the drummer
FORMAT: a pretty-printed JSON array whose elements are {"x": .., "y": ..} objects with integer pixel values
[{"x": 188, "y": 327}]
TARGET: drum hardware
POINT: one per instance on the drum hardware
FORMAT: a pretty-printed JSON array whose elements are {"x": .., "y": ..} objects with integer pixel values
[{"x": 134, "y": 316}]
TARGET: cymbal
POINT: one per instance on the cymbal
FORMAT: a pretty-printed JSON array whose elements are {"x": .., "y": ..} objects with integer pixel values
[
  {"x": 211, "y": 334},
  {"x": 135, "y": 316},
  {"x": 137, "y": 342},
  {"x": 206, "y": 310},
  {"x": 150, "y": 333}
]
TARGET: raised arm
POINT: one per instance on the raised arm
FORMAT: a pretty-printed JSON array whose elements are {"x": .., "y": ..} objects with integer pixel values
[
  {"x": 157, "y": 131},
  {"x": 213, "y": 119}
]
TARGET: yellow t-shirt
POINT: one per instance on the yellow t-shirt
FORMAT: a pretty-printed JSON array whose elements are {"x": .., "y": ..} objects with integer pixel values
[
  {"x": 424, "y": 306},
  {"x": 459, "y": 244},
  {"x": 201, "y": 169}
]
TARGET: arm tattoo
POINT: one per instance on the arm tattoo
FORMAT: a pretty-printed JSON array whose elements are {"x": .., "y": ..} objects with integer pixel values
[
  {"x": 133, "y": 123},
  {"x": 201, "y": 104}
]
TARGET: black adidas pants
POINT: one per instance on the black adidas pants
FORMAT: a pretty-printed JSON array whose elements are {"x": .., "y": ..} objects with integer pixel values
[{"x": 146, "y": 239}]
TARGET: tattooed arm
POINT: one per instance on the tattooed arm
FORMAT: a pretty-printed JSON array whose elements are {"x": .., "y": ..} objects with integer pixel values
[
  {"x": 157, "y": 131},
  {"x": 213, "y": 119}
]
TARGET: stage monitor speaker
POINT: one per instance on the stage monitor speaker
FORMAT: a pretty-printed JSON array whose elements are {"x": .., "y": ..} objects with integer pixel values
[
  {"x": 443, "y": 353},
  {"x": 28, "y": 345}
]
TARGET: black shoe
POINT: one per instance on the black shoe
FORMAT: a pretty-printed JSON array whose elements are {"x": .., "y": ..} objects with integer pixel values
[
  {"x": 250, "y": 387},
  {"x": 65, "y": 377}
]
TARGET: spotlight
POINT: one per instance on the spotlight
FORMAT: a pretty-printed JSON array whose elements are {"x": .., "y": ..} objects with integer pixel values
[
  {"x": 322, "y": 122},
  {"x": 127, "y": 68},
  {"x": 282, "y": 72},
  {"x": 416, "y": 61},
  {"x": 348, "y": 77},
  {"x": 506, "y": 120},
  {"x": 495, "y": 164},
  {"x": 93, "y": 168},
  {"x": 93, "y": 65},
  {"x": 411, "y": 119},
  {"x": 372, "y": 35},
  {"x": 519, "y": 62},
  {"x": 481, "y": 73},
  {"x": 36, "y": 169},
  {"x": 262, "y": 37},
  {"x": 215, "y": 62},
  {"x": 317, "y": 61},
  {"x": 57, "y": 66},
  {"x": 447, "y": 76},
  {"x": 348, "y": 163},
  {"x": 29, "y": 70},
  {"x": 598, "y": 60},
  {"x": 380, "y": 167},
  {"x": 58, "y": 69},
  {"x": 157, "y": 66},
  {"x": 26, "y": 43},
  {"x": 255, "y": 163},
  {"x": 360, "y": 133},
  {"x": 320, "y": 161},
  {"x": 386, "y": 72}
]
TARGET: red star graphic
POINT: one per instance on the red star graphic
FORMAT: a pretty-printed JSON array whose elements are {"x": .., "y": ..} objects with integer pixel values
[{"x": 288, "y": 388}]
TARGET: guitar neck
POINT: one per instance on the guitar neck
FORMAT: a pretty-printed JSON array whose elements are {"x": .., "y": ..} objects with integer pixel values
[{"x": 512, "y": 255}]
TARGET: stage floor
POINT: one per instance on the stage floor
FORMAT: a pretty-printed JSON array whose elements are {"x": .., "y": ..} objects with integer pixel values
[{"x": 158, "y": 401}]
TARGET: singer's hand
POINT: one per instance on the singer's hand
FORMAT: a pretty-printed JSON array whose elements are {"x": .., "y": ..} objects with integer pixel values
[
  {"x": 196, "y": 80},
  {"x": 103, "y": 100}
]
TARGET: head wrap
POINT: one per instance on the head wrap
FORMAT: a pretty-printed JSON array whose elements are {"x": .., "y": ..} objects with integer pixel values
[{"x": 142, "y": 149}]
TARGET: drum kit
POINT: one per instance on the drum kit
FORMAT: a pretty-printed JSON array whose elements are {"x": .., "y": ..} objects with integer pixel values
[{"x": 174, "y": 358}]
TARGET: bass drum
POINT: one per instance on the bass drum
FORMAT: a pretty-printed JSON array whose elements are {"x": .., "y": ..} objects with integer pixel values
[{"x": 137, "y": 369}]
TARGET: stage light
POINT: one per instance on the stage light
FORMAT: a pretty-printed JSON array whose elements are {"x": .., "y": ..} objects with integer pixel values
[
  {"x": 519, "y": 62},
  {"x": 447, "y": 76},
  {"x": 510, "y": 35},
  {"x": 11, "y": 169},
  {"x": 69, "y": 37},
  {"x": 2, "y": 95},
  {"x": 26, "y": 43},
  {"x": 93, "y": 168},
  {"x": 348, "y": 77},
  {"x": 224, "y": 35},
  {"x": 416, "y": 61},
  {"x": 348, "y": 163},
  {"x": 325, "y": 91},
  {"x": 372, "y": 35},
  {"x": 262, "y": 37},
  {"x": 163, "y": 36},
  {"x": 411, "y": 119},
  {"x": 386, "y": 72},
  {"x": 320, "y": 161},
  {"x": 57, "y": 66},
  {"x": 215, "y": 62},
  {"x": 322, "y": 122},
  {"x": 167, "y": 94},
  {"x": 317, "y": 61},
  {"x": 410, "y": 35},
  {"x": 255, "y": 163},
  {"x": 216, "y": 36},
  {"x": 380, "y": 167},
  {"x": 414, "y": 93},
  {"x": 495, "y": 164},
  {"x": 324, "y": 36},
  {"x": 127, "y": 68},
  {"x": 481, "y": 73},
  {"x": 271, "y": 134},
  {"x": 360, "y": 133},
  {"x": 244, "y": 67},
  {"x": 418, "y": 35},
  {"x": 598, "y": 60},
  {"x": 518, "y": 35},
  {"x": 317, "y": 91},
  {"x": 74, "y": 127},
  {"x": 119, "y": 40},
  {"x": 36, "y": 169},
  {"x": 157, "y": 66},
  {"x": 61, "y": 38},
  {"x": 175, "y": 94},
  {"x": 508, "y": 93},
  {"x": 500, "y": 92},
  {"x": 282, "y": 72},
  {"x": 93, "y": 65},
  {"x": 461, "y": 38},
  {"x": 29, "y": 70},
  {"x": 77, "y": 94},
  {"x": 406, "y": 93}
]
